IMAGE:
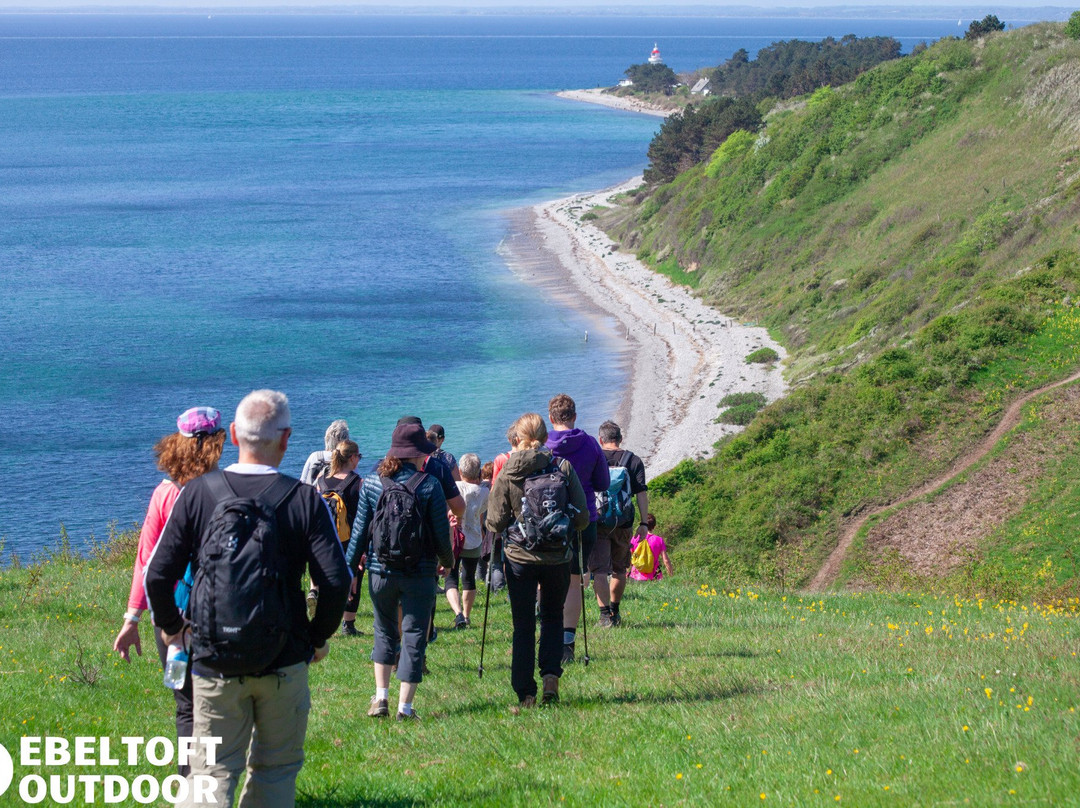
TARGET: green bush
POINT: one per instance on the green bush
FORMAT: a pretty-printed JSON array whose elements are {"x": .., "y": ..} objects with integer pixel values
[
  {"x": 739, "y": 415},
  {"x": 1072, "y": 27},
  {"x": 762, "y": 356},
  {"x": 738, "y": 142},
  {"x": 738, "y": 399},
  {"x": 741, "y": 408}
]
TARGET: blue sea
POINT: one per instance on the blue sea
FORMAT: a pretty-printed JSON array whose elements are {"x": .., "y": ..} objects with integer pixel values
[{"x": 194, "y": 206}]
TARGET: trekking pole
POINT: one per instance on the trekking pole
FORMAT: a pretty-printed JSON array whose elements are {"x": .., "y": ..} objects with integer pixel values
[
  {"x": 584, "y": 621},
  {"x": 487, "y": 602}
]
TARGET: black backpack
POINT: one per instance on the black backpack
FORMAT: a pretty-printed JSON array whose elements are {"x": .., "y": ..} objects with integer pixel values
[
  {"x": 397, "y": 539},
  {"x": 545, "y": 511},
  {"x": 239, "y": 602}
]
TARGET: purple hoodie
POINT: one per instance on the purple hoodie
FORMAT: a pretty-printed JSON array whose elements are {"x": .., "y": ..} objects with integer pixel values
[{"x": 587, "y": 458}]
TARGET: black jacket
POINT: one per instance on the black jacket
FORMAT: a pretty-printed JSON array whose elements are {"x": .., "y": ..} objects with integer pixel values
[{"x": 310, "y": 541}]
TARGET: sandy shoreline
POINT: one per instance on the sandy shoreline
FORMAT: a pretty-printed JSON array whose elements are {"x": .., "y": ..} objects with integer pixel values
[
  {"x": 598, "y": 96},
  {"x": 683, "y": 356}
]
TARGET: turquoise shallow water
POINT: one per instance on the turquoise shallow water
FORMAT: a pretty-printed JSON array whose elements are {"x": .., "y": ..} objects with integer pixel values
[{"x": 193, "y": 207}]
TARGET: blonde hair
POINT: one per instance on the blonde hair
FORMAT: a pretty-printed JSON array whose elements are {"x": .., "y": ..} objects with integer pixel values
[
  {"x": 184, "y": 459},
  {"x": 345, "y": 451},
  {"x": 530, "y": 431}
]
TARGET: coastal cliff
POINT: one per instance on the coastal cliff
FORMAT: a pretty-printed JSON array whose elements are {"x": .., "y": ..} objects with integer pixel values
[{"x": 910, "y": 239}]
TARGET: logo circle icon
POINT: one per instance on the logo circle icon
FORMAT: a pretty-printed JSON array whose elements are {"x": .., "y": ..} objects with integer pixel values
[{"x": 7, "y": 769}]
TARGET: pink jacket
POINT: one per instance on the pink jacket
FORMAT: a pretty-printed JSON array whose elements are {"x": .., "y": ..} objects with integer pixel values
[{"x": 161, "y": 505}]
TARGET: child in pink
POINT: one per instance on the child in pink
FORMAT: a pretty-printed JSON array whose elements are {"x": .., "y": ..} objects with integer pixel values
[{"x": 659, "y": 551}]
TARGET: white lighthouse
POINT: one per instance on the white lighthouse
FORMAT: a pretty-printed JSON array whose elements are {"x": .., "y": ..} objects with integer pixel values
[{"x": 654, "y": 57}]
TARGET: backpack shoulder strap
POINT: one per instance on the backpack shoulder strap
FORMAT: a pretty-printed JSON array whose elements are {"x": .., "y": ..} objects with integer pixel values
[
  {"x": 278, "y": 491},
  {"x": 415, "y": 481},
  {"x": 219, "y": 486},
  {"x": 623, "y": 458}
]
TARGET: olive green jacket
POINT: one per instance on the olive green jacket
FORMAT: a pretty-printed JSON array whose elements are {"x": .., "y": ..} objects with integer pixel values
[{"x": 504, "y": 504}]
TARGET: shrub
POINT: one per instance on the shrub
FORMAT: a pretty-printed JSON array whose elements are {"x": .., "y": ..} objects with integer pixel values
[
  {"x": 738, "y": 142},
  {"x": 738, "y": 399},
  {"x": 1072, "y": 27},
  {"x": 739, "y": 415},
  {"x": 741, "y": 408},
  {"x": 762, "y": 356}
]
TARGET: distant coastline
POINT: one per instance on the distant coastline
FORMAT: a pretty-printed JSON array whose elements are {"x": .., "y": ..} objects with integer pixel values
[{"x": 853, "y": 12}]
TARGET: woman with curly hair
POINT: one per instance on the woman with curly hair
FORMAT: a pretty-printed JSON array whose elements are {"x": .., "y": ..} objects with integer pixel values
[{"x": 194, "y": 449}]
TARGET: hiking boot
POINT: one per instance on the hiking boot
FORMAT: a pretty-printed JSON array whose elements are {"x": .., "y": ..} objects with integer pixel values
[
  {"x": 605, "y": 621},
  {"x": 408, "y": 716},
  {"x": 379, "y": 708},
  {"x": 527, "y": 702},
  {"x": 460, "y": 622},
  {"x": 550, "y": 689},
  {"x": 348, "y": 628},
  {"x": 616, "y": 619},
  {"x": 567, "y": 653},
  {"x": 312, "y": 602}
]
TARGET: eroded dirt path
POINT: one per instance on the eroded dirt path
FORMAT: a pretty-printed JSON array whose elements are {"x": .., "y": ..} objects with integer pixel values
[{"x": 831, "y": 569}]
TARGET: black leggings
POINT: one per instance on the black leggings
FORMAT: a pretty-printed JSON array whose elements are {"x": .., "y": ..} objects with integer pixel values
[{"x": 467, "y": 569}]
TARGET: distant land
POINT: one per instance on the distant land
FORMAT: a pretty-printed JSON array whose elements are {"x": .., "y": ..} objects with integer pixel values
[{"x": 637, "y": 8}]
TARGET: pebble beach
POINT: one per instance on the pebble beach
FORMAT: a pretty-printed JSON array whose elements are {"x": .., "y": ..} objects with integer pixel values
[{"x": 682, "y": 356}]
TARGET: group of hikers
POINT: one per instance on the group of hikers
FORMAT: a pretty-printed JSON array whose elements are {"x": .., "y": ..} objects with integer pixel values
[{"x": 248, "y": 572}]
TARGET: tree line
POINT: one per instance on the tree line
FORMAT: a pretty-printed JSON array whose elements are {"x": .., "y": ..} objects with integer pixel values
[{"x": 781, "y": 70}]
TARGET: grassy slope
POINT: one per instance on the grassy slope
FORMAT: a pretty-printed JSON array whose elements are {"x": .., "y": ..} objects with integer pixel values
[
  {"x": 869, "y": 699},
  {"x": 911, "y": 238}
]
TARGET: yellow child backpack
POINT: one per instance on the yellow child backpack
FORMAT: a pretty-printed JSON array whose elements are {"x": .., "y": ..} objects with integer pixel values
[{"x": 643, "y": 559}]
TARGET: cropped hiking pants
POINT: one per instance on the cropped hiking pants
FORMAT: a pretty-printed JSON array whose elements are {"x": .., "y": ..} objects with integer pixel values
[{"x": 416, "y": 594}]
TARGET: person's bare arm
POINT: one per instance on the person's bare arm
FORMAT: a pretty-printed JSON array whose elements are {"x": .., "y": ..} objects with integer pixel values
[
  {"x": 642, "y": 530},
  {"x": 667, "y": 563},
  {"x": 457, "y": 506}
]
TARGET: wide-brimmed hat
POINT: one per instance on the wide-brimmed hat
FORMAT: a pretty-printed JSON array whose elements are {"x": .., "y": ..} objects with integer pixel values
[
  {"x": 199, "y": 421},
  {"x": 410, "y": 440}
]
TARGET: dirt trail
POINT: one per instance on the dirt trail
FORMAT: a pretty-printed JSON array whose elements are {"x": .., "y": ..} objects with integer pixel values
[{"x": 829, "y": 571}]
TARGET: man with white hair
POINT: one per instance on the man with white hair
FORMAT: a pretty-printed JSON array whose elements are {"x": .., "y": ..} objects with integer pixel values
[{"x": 250, "y": 674}]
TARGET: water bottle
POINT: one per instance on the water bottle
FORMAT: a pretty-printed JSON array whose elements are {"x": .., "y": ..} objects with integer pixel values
[{"x": 176, "y": 661}]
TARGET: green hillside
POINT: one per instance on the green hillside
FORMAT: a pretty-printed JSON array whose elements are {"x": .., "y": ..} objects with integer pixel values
[{"x": 913, "y": 239}]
